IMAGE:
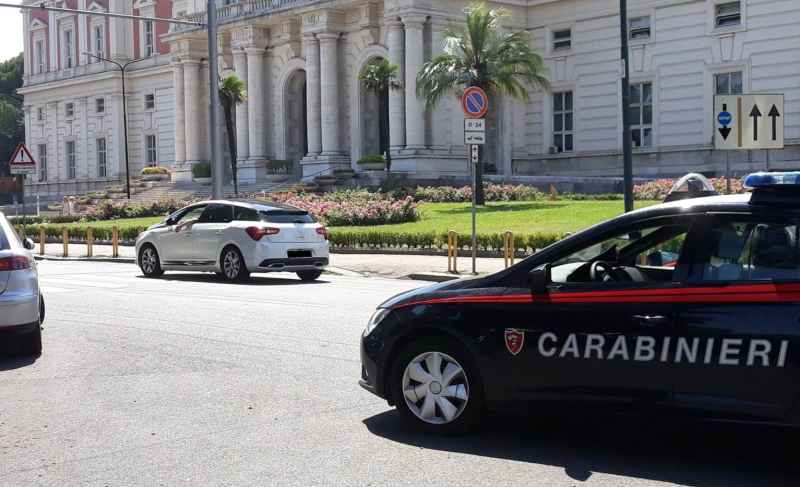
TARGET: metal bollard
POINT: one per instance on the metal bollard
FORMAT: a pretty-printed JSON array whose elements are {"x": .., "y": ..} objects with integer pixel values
[
  {"x": 89, "y": 241},
  {"x": 42, "y": 240},
  {"x": 509, "y": 251},
  {"x": 452, "y": 252},
  {"x": 115, "y": 242},
  {"x": 65, "y": 237}
]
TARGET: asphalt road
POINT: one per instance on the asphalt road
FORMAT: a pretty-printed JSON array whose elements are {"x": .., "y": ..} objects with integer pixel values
[{"x": 187, "y": 380}]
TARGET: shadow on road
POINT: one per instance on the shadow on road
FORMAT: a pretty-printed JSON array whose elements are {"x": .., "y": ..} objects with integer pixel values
[
  {"x": 254, "y": 280},
  {"x": 688, "y": 453},
  {"x": 10, "y": 363}
]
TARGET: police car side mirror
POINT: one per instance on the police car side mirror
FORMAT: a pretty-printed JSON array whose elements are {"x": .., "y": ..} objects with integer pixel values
[
  {"x": 539, "y": 279},
  {"x": 169, "y": 222}
]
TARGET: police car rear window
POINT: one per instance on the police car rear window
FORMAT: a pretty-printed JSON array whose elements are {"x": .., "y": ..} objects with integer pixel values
[
  {"x": 750, "y": 251},
  {"x": 287, "y": 216}
]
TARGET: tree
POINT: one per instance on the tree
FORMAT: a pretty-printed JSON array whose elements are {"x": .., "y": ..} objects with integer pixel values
[
  {"x": 378, "y": 77},
  {"x": 232, "y": 93},
  {"x": 480, "y": 54},
  {"x": 12, "y": 128}
]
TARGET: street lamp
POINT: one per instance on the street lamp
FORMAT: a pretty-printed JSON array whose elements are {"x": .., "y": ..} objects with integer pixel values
[{"x": 122, "y": 67}]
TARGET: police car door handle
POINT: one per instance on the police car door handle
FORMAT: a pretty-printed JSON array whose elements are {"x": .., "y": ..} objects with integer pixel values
[{"x": 651, "y": 320}]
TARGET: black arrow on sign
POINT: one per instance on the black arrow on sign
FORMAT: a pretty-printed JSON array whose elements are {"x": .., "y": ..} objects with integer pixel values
[
  {"x": 755, "y": 113},
  {"x": 774, "y": 114},
  {"x": 725, "y": 132}
]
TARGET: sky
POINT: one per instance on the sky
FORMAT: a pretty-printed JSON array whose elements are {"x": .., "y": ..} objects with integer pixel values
[{"x": 11, "y": 37}]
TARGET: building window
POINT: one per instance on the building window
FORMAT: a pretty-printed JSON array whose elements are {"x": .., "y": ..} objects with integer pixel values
[
  {"x": 149, "y": 101},
  {"x": 728, "y": 14},
  {"x": 151, "y": 150},
  {"x": 40, "y": 56},
  {"x": 69, "y": 110},
  {"x": 148, "y": 38},
  {"x": 639, "y": 28},
  {"x": 562, "y": 121},
  {"x": 729, "y": 83},
  {"x": 641, "y": 114},
  {"x": 562, "y": 39},
  {"x": 99, "y": 42},
  {"x": 40, "y": 114},
  {"x": 68, "y": 49},
  {"x": 100, "y": 105},
  {"x": 42, "y": 152},
  {"x": 101, "y": 157},
  {"x": 71, "y": 170}
]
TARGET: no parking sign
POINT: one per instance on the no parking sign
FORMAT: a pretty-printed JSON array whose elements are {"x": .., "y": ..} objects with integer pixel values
[{"x": 475, "y": 102}]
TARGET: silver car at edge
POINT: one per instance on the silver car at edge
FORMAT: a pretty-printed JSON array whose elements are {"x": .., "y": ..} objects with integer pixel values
[{"x": 21, "y": 301}]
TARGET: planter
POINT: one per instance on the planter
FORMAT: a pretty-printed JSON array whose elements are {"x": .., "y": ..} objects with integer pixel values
[
  {"x": 156, "y": 177},
  {"x": 325, "y": 181},
  {"x": 203, "y": 181},
  {"x": 276, "y": 178},
  {"x": 372, "y": 166}
]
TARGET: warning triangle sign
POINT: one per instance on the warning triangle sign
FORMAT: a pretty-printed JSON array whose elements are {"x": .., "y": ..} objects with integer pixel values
[{"x": 22, "y": 161}]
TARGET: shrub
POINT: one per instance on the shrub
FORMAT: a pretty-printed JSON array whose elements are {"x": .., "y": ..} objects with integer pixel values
[
  {"x": 109, "y": 210},
  {"x": 386, "y": 240},
  {"x": 450, "y": 194},
  {"x": 154, "y": 170},
  {"x": 353, "y": 207},
  {"x": 658, "y": 189},
  {"x": 201, "y": 170},
  {"x": 371, "y": 158}
]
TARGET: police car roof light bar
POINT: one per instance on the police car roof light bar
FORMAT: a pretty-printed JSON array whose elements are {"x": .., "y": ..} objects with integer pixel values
[{"x": 773, "y": 180}]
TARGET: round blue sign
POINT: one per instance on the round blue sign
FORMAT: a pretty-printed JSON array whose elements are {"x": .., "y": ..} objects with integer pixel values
[{"x": 725, "y": 118}]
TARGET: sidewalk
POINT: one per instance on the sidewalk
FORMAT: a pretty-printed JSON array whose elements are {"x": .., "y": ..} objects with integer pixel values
[{"x": 425, "y": 267}]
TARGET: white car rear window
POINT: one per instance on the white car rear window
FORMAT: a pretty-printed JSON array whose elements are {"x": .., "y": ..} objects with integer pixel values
[{"x": 7, "y": 234}]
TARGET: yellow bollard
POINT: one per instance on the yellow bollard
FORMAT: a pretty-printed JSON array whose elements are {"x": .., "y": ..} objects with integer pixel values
[
  {"x": 452, "y": 252},
  {"x": 65, "y": 237},
  {"x": 509, "y": 252},
  {"x": 42, "y": 239},
  {"x": 115, "y": 242},
  {"x": 89, "y": 241}
]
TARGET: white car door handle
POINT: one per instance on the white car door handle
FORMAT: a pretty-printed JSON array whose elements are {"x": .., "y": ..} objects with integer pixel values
[{"x": 219, "y": 232}]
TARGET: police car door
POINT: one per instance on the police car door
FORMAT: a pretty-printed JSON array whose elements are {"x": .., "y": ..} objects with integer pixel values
[
  {"x": 597, "y": 334},
  {"x": 740, "y": 333}
]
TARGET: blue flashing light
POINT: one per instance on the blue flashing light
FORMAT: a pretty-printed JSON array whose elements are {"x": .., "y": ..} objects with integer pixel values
[{"x": 762, "y": 180}]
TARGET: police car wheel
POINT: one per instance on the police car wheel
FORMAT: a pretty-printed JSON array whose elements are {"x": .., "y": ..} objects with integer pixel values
[{"x": 435, "y": 387}]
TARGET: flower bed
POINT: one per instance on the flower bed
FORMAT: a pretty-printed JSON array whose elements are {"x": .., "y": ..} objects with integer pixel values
[
  {"x": 353, "y": 208},
  {"x": 659, "y": 188},
  {"x": 450, "y": 194}
]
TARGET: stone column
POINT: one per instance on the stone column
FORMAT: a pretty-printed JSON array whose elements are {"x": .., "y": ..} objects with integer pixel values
[
  {"x": 180, "y": 114},
  {"x": 242, "y": 120},
  {"x": 397, "y": 104},
  {"x": 329, "y": 92},
  {"x": 415, "y": 108},
  {"x": 192, "y": 105},
  {"x": 255, "y": 102},
  {"x": 52, "y": 41},
  {"x": 82, "y": 34},
  {"x": 28, "y": 61},
  {"x": 313, "y": 103}
]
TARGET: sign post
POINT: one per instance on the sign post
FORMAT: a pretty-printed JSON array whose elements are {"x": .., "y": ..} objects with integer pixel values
[
  {"x": 21, "y": 164},
  {"x": 475, "y": 103}
]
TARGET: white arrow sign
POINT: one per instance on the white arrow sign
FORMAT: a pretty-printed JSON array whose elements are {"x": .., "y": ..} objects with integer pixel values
[
  {"x": 475, "y": 138},
  {"x": 748, "y": 122}
]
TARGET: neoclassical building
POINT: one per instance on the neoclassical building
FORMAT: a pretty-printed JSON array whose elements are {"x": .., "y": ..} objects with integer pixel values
[{"x": 300, "y": 60}]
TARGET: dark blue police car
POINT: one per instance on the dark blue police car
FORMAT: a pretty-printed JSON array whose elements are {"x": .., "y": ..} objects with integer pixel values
[{"x": 689, "y": 307}]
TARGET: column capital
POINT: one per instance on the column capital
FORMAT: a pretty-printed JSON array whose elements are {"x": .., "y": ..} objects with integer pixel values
[
  {"x": 414, "y": 21},
  {"x": 254, "y": 51},
  {"x": 394, "y": 23},
  {"x": 249, "y": 36},
  {"x": 190, "y": 62},
  {"x": 310, "y": 38},
  {"x": 327, "y": 37}
]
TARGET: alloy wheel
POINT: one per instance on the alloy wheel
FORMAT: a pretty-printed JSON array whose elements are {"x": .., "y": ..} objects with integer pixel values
[
  {"x": 232, "y": 264},
  {"x": 435, "y": 388},
  {"x": 149, "y": 260}
]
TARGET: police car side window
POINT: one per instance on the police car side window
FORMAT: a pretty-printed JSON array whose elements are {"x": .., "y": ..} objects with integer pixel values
[{"x": 753, "y": 251}]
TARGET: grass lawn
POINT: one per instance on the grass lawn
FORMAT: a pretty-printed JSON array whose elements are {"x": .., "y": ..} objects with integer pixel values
[
  {"x": 519, "y": 217},
  {"x": 121, "y": 224}
]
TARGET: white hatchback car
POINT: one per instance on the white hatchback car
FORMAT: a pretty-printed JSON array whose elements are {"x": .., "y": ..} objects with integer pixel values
[
  {"x": 234, "y": 238},
  {"x": 21, "y": 302}
]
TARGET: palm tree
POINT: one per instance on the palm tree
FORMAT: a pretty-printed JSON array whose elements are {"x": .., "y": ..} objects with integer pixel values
[
  {"x": 232, "y": 93},
  {"x": 480, "y": 54},
  {"x": 378, "y": 77}
]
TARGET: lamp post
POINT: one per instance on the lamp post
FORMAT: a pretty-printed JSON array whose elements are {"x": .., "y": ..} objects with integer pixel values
[
  {"x": 122, "y": 67},
  {"x": 627, "y": 144}
]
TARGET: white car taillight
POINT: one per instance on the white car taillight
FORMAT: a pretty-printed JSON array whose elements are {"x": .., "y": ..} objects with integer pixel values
[
  {"x": 14, "y": 263},
  {"x": 257, "y": 233}
]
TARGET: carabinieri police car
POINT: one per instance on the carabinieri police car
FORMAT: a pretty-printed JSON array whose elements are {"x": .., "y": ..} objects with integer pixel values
[{"x": 688, "y": 307}]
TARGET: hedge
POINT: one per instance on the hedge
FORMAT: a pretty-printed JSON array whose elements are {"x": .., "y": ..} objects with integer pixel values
[{"x": 345, "y": 239}]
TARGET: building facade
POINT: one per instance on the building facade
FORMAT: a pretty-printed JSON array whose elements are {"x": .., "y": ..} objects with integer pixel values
[{"x": 301, "y": 60}]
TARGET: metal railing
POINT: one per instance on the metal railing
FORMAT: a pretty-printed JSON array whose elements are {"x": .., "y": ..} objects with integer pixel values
[{"x": 240, "y": 9}]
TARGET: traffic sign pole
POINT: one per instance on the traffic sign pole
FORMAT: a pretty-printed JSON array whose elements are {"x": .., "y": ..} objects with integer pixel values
[
  {"x": 474, "y": 165},
  {"x": 475, "y": 103}
]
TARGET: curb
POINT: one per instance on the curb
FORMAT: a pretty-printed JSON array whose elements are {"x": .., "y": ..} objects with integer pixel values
[{"x": 433, "y": 277}]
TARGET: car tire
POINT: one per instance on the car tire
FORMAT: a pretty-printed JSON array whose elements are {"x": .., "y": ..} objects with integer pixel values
[
  {"x": 447, "y": 401},
  {"x": 41, "y": 309},
  {"x": 232, "y": 264},
  {"x": 29, "y": 344},
  {"x": 149, "y": 261},
  {"x": 308, "y": 276}
]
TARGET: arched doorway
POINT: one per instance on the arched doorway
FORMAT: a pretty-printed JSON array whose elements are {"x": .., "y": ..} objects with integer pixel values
[
  {"x": 374, "y": 103},
  {"x": 295, "y": 111}
]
